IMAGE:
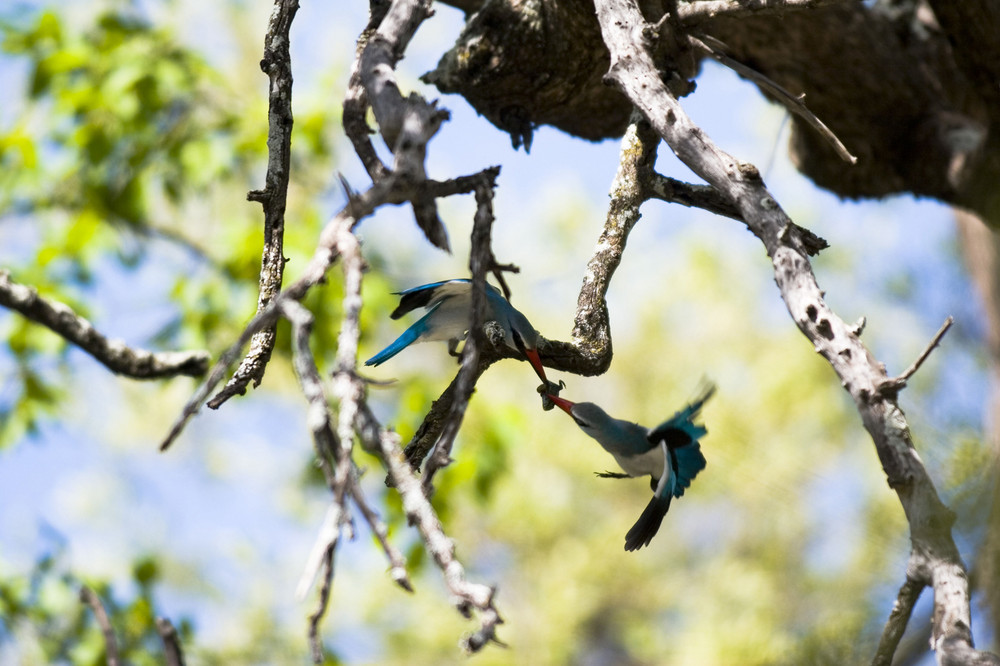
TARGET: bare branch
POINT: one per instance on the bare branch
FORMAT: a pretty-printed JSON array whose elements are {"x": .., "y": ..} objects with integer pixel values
[
  {"x": 590, "y": 351},
  {"x": 480, "y": 260},
  {"x": 406, "y": 124},
  {"x": 467, "y": 596},
  {"x": 315, "y": 642},
  {"x": 277, "y": 64},
  {"x": 173, "y": 655},
  {"x": 397, "y": 563},
  {"x": 90, "y": 598},
  {"x": 927, "y": 351},
  {"x": 391, "y": 191},
  {"x": 635, "y": 74},
  {"x": 114, "y": 354}
]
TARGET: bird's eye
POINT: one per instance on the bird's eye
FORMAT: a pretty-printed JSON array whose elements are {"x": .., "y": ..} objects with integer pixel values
[{"x": 583, "y": 424}]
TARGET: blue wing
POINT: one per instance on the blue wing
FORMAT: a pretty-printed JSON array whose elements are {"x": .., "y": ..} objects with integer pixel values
[
  {"x": 681, "y": 436},
  {"x": 687, "y": 461},
  {"x": 427, "y": 294}
]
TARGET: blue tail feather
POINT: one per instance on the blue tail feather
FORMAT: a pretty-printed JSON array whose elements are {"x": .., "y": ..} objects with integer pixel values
[{"x": 408, "y": 337}]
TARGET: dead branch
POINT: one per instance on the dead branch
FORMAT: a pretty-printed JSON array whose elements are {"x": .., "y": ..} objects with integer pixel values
[{"x": 277, "y": 64}]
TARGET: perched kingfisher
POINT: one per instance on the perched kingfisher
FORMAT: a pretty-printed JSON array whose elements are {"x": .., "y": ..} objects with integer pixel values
[{"x": 448, "y": 306}]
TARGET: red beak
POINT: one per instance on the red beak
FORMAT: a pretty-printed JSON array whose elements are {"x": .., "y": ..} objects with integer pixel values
[
  {"x": 562, "y": 403},
  {"x": 536, "y": 363}
]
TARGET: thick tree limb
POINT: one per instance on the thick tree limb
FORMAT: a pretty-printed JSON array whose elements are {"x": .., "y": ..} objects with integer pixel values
[
  {"x": 114, "y": 354},
  {"x": 277, "y": 64},
  {"x": 633, "y": 71}
]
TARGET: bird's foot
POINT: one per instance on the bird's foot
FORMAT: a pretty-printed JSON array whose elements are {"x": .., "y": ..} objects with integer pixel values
[{"x": 612, "y": 475}]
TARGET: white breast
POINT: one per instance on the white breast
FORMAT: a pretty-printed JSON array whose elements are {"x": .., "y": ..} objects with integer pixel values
[{"x": 649, "y": 463}]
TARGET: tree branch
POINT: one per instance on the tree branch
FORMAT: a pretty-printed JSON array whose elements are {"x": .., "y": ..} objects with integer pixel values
[
  {"x": 406, "y": 124},
  {"x": 466, "y": 596},
  {"x": 173, "y": 655},
  {"x": 693, "y": 13},
  {"x": 389, "y": 191},
  {"x": 114, "y": 354},
  {"x": 714, "y": 48},
  {"x": 480, "y": 261},
  {"x": 277, "y": 64},
  {"x": 633, "y": 71},
  {"x": 898, "y": 619},
  {"x": 90, "y": 598}
]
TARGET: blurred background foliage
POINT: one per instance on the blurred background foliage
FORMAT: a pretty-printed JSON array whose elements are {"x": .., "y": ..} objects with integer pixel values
[{"x": 137, "y": 130}]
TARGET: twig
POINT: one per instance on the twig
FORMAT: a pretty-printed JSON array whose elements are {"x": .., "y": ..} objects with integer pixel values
[
  {"x": 793, "y": 103},
  {"x": 172, "y": 652},
  {"x": 397, "y": 563},
  {"x": 114, "y": 354},
  {"x": 930, "y": 347},
  {"x": 277, "y": 64},
  {"x": 90, "y": 598},
  {"x": 892, "y": 385},
  {"x": 898, "y": 619},
  {"x": 315, "y": 642}
]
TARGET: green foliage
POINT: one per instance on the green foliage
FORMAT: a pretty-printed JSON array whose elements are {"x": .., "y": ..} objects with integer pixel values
[
  {"x": 44, "y": 621},
  {"x": 126, "y": 141}
]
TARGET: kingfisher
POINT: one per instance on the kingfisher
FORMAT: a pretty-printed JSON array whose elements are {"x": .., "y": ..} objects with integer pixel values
[
  {"x": 448, "y": 306},
  {"x": 669, "y": 453}
]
